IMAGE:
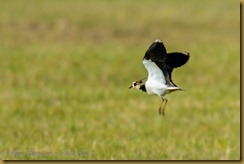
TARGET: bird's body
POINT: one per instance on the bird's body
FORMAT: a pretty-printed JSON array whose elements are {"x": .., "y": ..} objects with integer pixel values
[
  {"x": 155, "y": 83},
  {"x": 160, "y": 65}
]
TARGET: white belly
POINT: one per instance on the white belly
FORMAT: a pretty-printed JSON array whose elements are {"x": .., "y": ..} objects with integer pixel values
[{"x": 157, "y": 88}]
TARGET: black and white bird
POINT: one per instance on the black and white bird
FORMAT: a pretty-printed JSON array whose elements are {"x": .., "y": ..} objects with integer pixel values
[{"x": 160, "y": 65}]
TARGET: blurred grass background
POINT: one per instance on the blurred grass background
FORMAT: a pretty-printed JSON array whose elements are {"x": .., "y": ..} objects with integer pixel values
[{"x": 65, "y": 69}]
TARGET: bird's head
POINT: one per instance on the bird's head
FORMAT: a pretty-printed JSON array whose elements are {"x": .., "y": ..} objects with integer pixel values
[{"x": 136, "y": 84}]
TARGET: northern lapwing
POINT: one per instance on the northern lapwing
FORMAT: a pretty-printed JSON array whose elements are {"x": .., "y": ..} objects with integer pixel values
[{"x": 160, "y": 65}]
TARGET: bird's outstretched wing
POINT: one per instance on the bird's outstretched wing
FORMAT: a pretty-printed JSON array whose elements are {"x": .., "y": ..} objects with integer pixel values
[
  {"x": 174, "y": 60},
  {"x": 177, "y": 59},
  {"x": 156, "y": 52},
  {"x": 154, "y": 61},
  {"x": 160, "y": 64}
]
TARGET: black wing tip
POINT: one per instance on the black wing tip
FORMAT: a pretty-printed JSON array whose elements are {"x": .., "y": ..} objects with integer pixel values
[
  {"x": 157, "y": 43},
  {"x": 187, "y": 55},
  {"x": 177, "y": 59},
  {"x": 156, "y": 51}
]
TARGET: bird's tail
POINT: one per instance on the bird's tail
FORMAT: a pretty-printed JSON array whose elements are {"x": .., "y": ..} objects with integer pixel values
[{"x": 180, "y": 89}]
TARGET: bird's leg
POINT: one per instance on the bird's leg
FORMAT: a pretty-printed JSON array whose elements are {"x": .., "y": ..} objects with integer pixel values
[
  {"x": 165, "y": 104},
  {"x": 159, "y": 110}
]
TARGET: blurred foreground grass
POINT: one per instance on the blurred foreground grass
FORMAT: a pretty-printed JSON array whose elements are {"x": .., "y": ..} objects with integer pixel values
[{"x": 66, "y": 66}]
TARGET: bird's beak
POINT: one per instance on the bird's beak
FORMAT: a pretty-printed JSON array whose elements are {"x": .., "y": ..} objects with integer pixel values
[{"x": 130, "y": 87}]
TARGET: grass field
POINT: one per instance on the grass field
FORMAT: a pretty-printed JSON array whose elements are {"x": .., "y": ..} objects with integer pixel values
[{"x": 65, "y": 69}]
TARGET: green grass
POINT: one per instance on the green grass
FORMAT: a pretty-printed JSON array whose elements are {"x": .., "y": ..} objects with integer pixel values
[{"x": 65, "y": 69}]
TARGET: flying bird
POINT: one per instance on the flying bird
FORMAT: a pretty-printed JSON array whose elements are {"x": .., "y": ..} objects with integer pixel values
[{"x": 160, "y": 65}]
